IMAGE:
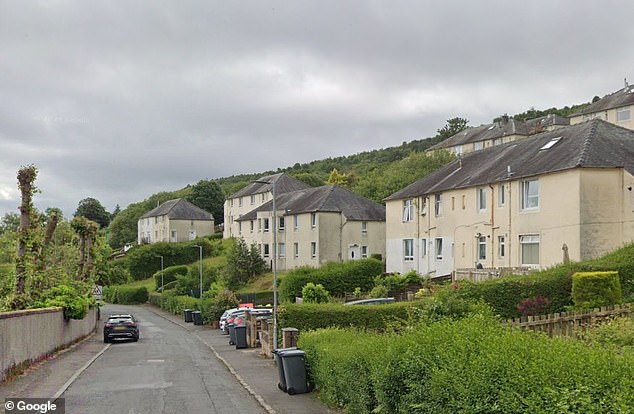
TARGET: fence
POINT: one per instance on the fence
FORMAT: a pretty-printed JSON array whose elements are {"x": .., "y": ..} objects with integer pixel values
[
  {"x": 573, "y": 324},
  {"x": 480, "y": 275}
]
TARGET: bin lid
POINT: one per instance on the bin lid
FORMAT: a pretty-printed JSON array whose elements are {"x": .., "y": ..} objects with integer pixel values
[
  {"x": 292, "y": 353},
  {"x": 280, "y": 350},
  {"x": 195, "y": 311}
]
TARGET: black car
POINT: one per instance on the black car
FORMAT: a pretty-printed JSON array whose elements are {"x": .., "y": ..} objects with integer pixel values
[{"x": 121, "y": 326}]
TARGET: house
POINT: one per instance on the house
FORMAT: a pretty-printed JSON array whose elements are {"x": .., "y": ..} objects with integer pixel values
[
  {"x": 548, "y": 122},
  {"x": 315, "y": 226},
  {"x": 483, "y": 136},
  {"x": 174, "y": 221},
  {"x": 616, "y": 108},
  {"x": 254, "y": 195},
  {"x": 531, "y": 202}
]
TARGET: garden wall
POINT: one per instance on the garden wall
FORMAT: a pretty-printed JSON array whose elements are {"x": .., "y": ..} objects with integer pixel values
[{"x": 31, "y": 335}]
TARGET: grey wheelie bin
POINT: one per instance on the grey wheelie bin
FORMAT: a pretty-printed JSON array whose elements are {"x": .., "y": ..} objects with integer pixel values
[
  {"x": 188, "y": 315},
  {"x": 293, "y": 362},
  {"x": 232, "y": 333},
  {"x": 197, "y": 316},
  {"x": 280, "y": 366},
  {"x": 240, "y": 333}
]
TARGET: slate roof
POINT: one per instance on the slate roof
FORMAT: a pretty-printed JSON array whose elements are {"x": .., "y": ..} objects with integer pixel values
[
  {"x": 622, "y": 97},
  {"x": 537, "y": 125},
  {"x": 484, "y": 133},
  {"x": 179, "y": 209},
  {"x": 283, "y": 184},
  {"x": 592, "y": 144},
  {"x": 327, "y": 198}
]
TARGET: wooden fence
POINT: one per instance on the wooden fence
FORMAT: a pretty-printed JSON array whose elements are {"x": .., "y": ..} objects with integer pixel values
[
  {"x": 573, "y": 324},
  {"x": 480, "y": 275}
]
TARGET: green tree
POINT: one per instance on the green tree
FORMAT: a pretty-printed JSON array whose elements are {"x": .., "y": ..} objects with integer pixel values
[
  {"x": 243, "y": 263},
  {"x": 10, "y": 222},
  {"x": 92, "y": 209},
  {"x": 452, "y": 127},
  {"x": 208, "y": 195}
]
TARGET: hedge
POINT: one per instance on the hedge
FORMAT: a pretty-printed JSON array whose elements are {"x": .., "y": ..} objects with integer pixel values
[
  {"x": 125, "y": 295},
  {"x": 596, "y": 289},
  {"x": 337, "y": 278},
  {"x": 169, "y": 274},
  {"x": 473, "y": 365}
]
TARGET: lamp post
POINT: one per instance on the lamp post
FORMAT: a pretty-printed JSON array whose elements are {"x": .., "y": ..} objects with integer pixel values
[
  {"x": 274, "y": 229},
  {"x": 200, "y": 269},
  {"x": 162, "y": 282}
]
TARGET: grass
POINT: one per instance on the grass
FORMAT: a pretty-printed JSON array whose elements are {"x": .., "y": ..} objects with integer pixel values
[
  {"x": 148, "y": 283},
  {"x": 263, "y": 283}
]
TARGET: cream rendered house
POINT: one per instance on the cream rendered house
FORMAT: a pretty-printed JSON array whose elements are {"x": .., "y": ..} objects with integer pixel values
[
  {"x": 617, "y": 108},
  {"x": 253, "y": 196},
  {"x": 174, "y": 221},
  {"x": 315, "y": 226},
  {"x": 525, "y": 203},
  {"x": 483, "y": 136}
]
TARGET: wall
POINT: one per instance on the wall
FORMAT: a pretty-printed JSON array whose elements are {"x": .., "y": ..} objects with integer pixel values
[{"x": 32, "y": 334}]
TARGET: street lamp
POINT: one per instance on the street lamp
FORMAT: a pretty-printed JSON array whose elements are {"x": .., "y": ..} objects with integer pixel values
[
  {"x": 274, "y": 261},
  {"x": 162, "y": 283},
  {"x": 200, "y": 269}
]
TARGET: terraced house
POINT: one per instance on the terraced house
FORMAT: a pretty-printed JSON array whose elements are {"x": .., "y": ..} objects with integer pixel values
[
  {"x": 566, "y": 193},
  {"x": 174, "y": 221},
  {"x": 315, "y": 226},
  {"x": 617, "y": 108}
]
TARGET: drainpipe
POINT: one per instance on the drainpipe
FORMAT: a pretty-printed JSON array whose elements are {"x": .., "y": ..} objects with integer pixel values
[{"x": 492, "y": 229}]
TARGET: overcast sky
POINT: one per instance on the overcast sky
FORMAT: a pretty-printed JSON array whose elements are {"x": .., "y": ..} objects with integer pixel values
[{"x": 118, "y": 100}]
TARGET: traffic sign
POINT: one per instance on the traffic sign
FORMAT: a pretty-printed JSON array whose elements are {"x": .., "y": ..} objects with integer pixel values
[{"x": 97, "y": 292}]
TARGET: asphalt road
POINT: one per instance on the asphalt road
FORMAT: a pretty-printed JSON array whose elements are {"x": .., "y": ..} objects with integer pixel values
[{"x": 168, "y": 370}]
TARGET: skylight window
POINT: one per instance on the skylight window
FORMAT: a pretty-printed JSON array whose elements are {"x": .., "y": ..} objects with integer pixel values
[{"x": 550, "y": 143}]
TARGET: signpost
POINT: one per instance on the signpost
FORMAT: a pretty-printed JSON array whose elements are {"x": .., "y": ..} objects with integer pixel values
[{"x": 97, "y": 292}]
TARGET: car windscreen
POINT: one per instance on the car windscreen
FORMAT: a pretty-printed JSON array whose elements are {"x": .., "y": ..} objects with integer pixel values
[{"x": 119, "y": 320}]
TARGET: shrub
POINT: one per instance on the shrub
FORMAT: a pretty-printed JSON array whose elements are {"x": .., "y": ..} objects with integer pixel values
[
  {"x": 378, "y": 291},
  {"x": 596, "y": 289},
  {"x": 69, "y": 297},
  {"x": 533, "y": 306},
  {"x": 126, "y": 295},
  {"x": 312, "y": 293},
  {"x": 337, "y": 278},
  {"x": 169, "y": 274}
]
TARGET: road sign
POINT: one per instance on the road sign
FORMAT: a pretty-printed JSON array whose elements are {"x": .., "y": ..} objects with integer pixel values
[{"x": 97, "y": 292}]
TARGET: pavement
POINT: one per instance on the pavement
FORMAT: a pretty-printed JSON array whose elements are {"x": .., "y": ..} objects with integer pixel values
[{"x": 256, "y": 373}]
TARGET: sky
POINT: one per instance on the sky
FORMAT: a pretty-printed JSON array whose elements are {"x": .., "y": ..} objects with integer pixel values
[{"x": 120, "y": 100}]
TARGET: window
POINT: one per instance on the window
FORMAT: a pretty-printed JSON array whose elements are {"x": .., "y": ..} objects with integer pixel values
[
  {"x": 408, "y": 249},
  {"x": 482, "y": 248},
  {"x": 501, "y": 247},
  {"x": 497, "y": 141},
  {"x": 623, "y": 114},
  {"x": 438, "y": 205},
  {"x": 239, "y": 227},
  {"x": 259, "y": 225},
  {"x": 282, "y": 224},
  {"x": 253, "y": 199},
  {"x": 529, "y": 245},
  {"x": 252, "y": 226},
  {"x": 266, "y": 225},
  {"x": 482, "y": 198},
  {"x": 423, "y": 206},
  {"x": 260, "y": 248},
  {"x": 501, "y": 195},
  {"x": 439, "y": 248},
  {"x": 296, "y": 222},
  {"x": 296, "y": 249},
  {"x": 464, "y": 199},
  {"x": 458, "y": 149},
  {"x": 364, "y": 227},
  {"x": 408, "y": 209},
  {"x": 453, "y": 203},
  {"x": 550, "y": 144},
  {"x": 263, "y": 197},
  {"x": 266, "y": 250},
  {"x": 530, "y": 194},
  {"x": 423, "y": 247},
  {"x": 231, "y": 202},
  {"x": 240, "y": 202},
  {"x": 281, "y": 250},
  {"x": 477, "y": 145},
  {"x": 364, "y": 252},
  {"x": 313, "y": 249},
  {"x": 313, "y": 220},
  {"x": 174, "y": 236}
]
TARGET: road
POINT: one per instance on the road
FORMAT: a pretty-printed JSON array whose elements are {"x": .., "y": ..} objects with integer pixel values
[{"x": 168, "y": 370}]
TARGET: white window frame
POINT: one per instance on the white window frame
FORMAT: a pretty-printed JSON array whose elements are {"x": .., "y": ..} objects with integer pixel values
[
  {"x": 266, "y": 250},
  {"x": 529, "y": 201},
  {"x": 481, "y": 198},
  {"x": 313, "y": 220},
  {"x": 364, "y": 252},
  {"x": 478, "y": 145},
  {"x": 296, "y": 249},
  {"x": 408, "y": 250},
  {"x": 252, "y": 226},
  {"x": 501, "y": 247},
  {"x": 482, "y": 247},
  {"x": 438, "y": 248},
  {"x": 313, "y": 249},
  {"x": 408, "y": 210},
  {"x": 623, "y": 114},
  {"x": 240, "y": 202},
  {"x": 423, "y": 247},
  {"x": 438, "y": 204},
  {"x": 266, "y": 225},
  {"x": 364, "y": 227},
  {"x": 281, "y": 224},
  {"x": 253, "y": 199},
  {"x": 529, "y": 240},
  {"x": 296, "y": 222},
  {"x": 501, "y": 195},
  {"x": 281, "y": 250}
]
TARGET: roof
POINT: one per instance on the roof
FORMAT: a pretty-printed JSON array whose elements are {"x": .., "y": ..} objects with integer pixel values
[
  {"x": 179, "y": 209},
  {"x": 327, "y": 198},
  {"x": 536, "y": 125},
  {"x": 507, "y": 126},
  {"x": 283, "y": 184},
  {"x": 622, "y": 97},
  {"x": 592, "y": 144}
]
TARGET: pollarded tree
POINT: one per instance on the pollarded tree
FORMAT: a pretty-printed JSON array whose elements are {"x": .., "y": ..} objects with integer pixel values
[{"x": 92, "y": 209}]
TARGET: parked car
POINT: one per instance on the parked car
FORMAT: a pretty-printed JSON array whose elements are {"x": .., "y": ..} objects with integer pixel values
[
  {"x": 230, "y": 314},
  {"x": 123, "y": 326},
  {"x": 371, "y": 301}
]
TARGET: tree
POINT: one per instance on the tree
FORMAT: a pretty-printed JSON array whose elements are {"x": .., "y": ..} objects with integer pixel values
[
  {"x": 27, "y": 238},
  {"x": 10, "y": 222},
  {"x": 92, "y": 209},
  {"x": 340, "y": 179},
  {"x": 208, "y": 195},
  {"x": 243, "y": 263},
  {"x": 452, "y": 127}
]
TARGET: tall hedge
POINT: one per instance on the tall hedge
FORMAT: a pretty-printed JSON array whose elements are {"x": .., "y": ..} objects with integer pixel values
[
  {"x": 596, "y": 289},
  {"x": 337, "y": 278},
  {"x": 170, "y": 274},
  {"x": 125, "y": 295},
  {"x": 144, "y": 261}
]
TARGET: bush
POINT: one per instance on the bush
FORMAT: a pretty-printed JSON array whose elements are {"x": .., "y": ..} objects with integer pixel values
[
  {"x": 312, "y": 293},
  {"x": 125, "y": 295},
  {"x": 473, "y": 365},
  {"x": 169, "y": 274},
  {"x": 69, "y": 297},
  {"x": 378, "y": 291},
  {"x": 596, "y": 289},
  {"x": 337, "y": 278}
]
